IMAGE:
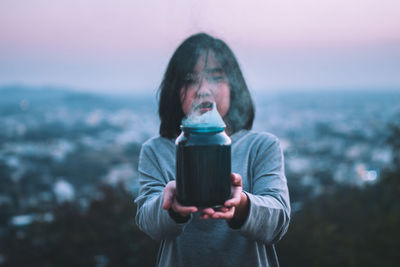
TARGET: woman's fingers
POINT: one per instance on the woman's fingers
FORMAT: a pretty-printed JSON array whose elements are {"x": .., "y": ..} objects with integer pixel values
[
  {"x": 228, "y": 214},
  {"x": 204, "y": 216},
  {"x": 228, "y": 210},
  {"x": 225, "y": 212},
  {"x": 233, "y": 202},
  {"x": 223, "y": 209},
  {"x": 169, "y": 201},
  {"x": 208, "y": 211},
  {"x": 217, "y": 213},
  {"x": 183, "y": 210}
]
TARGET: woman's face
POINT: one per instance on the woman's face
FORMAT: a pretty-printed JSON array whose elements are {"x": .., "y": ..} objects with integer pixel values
[{"x": 207, "y": 84}]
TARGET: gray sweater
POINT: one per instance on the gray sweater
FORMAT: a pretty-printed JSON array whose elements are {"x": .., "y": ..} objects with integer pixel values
[{"x": 258, "y": 158}]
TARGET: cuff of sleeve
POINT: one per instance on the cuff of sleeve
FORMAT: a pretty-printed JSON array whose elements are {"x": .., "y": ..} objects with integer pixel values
[
  {"x": 177, "y": 217},
  {"x": 248, "y": 223}
]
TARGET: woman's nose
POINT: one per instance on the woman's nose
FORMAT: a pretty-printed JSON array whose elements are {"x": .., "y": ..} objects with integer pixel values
[{"x": 204, "y": 89}]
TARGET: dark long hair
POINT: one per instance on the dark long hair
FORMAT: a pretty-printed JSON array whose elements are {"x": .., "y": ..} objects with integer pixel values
[{"x": 241, "y": 110}]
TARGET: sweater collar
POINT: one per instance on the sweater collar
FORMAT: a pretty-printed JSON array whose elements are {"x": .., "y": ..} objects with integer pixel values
[{"x": 236, "y": 136}]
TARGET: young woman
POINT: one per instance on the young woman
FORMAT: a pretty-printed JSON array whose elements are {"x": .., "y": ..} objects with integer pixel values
[{"x": 243, "y": 232}]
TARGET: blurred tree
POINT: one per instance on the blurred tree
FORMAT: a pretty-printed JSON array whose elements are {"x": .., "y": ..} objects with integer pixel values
[
  {"x": 394, "y": 139},
  {"x": 350, "y": 226},
  {"x": 105, "y": 235}
]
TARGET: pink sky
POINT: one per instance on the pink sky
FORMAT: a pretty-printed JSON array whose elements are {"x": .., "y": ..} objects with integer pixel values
[{"x": 124, "y": 45}]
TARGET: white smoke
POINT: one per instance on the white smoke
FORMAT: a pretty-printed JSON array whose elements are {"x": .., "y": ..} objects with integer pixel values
[{"x": 210, "y": 118}]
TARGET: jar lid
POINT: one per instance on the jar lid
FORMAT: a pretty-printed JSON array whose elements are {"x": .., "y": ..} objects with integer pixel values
[{"x": 203, "y": 128}]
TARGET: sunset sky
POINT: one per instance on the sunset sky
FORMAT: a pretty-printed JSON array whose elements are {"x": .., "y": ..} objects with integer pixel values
[{"x": 124, "y": 45}]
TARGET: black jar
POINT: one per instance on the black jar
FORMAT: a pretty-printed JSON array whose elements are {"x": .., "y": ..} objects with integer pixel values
[{"x": 203, "y": 166}]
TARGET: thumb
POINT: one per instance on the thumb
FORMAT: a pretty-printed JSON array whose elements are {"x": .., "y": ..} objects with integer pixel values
[
  {"x": 169, "y": 193},
  {"x": 236, "y": 179}
]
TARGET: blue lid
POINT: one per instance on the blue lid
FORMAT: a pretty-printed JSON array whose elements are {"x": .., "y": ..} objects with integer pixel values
[{"x": 203, "y": 128}]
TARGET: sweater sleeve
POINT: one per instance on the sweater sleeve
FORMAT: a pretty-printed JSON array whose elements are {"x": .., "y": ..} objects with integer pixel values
[
  {"x": 269, "y": 211},
  {"x": 151, "y": 218}
]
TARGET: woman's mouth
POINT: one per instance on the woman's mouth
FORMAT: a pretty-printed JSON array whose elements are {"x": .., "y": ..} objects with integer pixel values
[{"x": 204, "y": 107}]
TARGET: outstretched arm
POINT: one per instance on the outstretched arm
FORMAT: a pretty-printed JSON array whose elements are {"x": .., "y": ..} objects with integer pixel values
[
  {"x": 269, "y": 207},
  {"x": 158, "y": 214},
  {"x": 264, "y": 213}
]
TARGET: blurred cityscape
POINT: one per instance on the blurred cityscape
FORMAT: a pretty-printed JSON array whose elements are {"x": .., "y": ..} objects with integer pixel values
[
  {"x": 61, "y": 148},
  {"x": 330, "y": 138}
]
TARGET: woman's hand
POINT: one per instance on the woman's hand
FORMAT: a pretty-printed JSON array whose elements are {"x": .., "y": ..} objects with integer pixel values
[
  {"x": 171, "y": 202},
  {"x": 237, "y": 207}
]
